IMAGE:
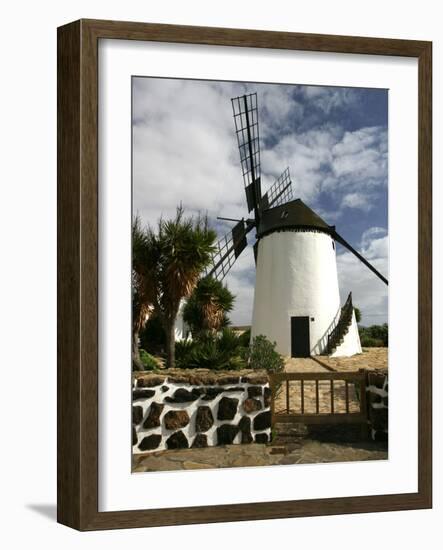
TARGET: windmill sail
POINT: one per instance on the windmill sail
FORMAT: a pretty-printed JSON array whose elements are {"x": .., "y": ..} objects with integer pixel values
[
  {"x": 248, "y": 137},
  {"x": 279, "y": 193},
  {"x": 344, "y": 243},
  {"x": 229, "y": 249}
]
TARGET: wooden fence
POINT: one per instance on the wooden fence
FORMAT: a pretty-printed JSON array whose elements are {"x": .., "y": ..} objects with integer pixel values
[{"x": 282, "y": 384}]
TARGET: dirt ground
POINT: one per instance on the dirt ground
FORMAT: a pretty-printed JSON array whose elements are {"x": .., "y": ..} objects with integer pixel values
[{"x": 371, "y": 358}]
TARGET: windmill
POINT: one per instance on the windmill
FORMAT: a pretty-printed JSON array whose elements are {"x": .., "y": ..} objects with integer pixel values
[{"x": 296, "y": 298}]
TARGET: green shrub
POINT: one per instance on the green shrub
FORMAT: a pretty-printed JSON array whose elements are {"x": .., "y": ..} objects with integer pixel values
[
  {"x": 149, "y": 363},
  {"x": 264, "y": 357},
  {"x": 374, "y": 336},
  {"x": 369, "y": 342},
  {"x": 183, "y": 349},
  {"x": 212, "y": 351},
  {"x": 245, "y": 338}
]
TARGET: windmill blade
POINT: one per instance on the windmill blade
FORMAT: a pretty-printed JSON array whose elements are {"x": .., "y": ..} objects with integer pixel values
[
  {"x": 279, "y": 193},
  {"x": 248, "y": 137},
  {"x": 342, "y": 241},
  {"x": 229, "y": 249}
]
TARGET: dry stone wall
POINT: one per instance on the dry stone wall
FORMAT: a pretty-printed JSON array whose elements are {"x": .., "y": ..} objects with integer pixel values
[
  {"x": 377, "y": 398},
  {"x": 179, "y": 410}
]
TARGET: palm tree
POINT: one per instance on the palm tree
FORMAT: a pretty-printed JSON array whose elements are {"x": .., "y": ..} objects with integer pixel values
[
  {"x": 207, "y": 308},
  {"x": 144, "y": 260},
  {"x": 172, "y": 262}
]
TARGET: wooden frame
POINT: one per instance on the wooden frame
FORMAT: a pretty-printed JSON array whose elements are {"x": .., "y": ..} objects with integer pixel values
[{"x": 77, "y": 274}]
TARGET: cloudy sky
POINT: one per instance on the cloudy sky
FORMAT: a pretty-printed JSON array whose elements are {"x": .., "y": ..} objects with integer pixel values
[{"x": 334, "y": 140}]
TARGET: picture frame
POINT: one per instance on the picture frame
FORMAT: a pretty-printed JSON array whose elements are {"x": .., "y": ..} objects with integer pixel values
[{"x": 77, "y": 277}]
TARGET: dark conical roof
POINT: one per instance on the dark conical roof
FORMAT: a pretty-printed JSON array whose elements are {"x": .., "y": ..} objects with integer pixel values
[{"x": 292, "y": 215}]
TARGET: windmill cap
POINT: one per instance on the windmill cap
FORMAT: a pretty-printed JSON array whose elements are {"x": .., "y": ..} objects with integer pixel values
[{"x": 293, "y": 215}]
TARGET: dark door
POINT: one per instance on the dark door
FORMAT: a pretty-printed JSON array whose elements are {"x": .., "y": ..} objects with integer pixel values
[{"x": 300, "y": 337}]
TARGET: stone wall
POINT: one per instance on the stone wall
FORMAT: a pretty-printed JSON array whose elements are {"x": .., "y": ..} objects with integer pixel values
[
  {"x": 377, "y": 397},
  {"x": 199, "y": 409}
]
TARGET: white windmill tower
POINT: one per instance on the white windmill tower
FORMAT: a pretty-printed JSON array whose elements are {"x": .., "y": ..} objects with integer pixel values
[{"x": 296, "y": 299}]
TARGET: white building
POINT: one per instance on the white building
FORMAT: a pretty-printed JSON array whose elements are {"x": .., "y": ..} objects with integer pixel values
[{"x": 296, "y": 299}]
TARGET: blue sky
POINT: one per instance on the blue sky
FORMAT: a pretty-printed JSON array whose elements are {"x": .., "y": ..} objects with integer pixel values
[{"x": 334, "y": 140}]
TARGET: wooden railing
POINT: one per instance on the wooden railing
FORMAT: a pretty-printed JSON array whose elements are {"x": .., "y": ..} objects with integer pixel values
[
  {"x": 342, "y": 326},
  {"x": 283, "y": 381}
]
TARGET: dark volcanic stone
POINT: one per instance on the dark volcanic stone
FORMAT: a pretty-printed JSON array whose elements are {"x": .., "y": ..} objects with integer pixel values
[
  {"x": 251, "y": 405},
  {"x": 153, "y": 418},
  {"x": 150, "y": 442},
  {"x": 198, "y": 391},
  {"x": 262, "y": 421},
  {"x": 164, "y": 388},
  {"x": 245, "y": 428},
  {"x": 211, "y": 393},
  {"x": 235, "y": 388},
  {"x": 255, "y": 379},
  {"x": 376, "y": 379},
  {"x": 255, "y": 391},
  {"x": 137, "y": 414},
  {"x": 244, "y": 424},
  {"x": 261, "y": 438},
  {"x": 134, "y": 435},
  {"x": 374, "y": 398},
  {"x": 381, "y": 436},
  {"x": 200, "y": 441},
  {"x": 267, "y": 396},
  {"x": 226, "y": 434},
  {"x": 176, "y": 419},
  {"x": 177, "y": 441},
  {"x": 182, "y": 395},
  {"x": 379, "y": 419},
  {"x": 227, "y": 407},
  {"x": 150, "y": 381},
  {"x": 204, "y": 419},
  {"x": 142, "y": 394}
]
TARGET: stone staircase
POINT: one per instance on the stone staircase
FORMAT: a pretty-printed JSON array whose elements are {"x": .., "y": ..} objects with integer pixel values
[
  {"x": 337, "y": 334},
  {"x": 287, "y": 437}
]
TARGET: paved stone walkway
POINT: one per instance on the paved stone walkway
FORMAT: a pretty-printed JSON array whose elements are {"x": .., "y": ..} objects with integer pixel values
[{"x": 303, "y": 451}]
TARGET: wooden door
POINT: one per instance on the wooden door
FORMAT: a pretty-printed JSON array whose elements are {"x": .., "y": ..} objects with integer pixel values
[{"x": 300, "y": 342}]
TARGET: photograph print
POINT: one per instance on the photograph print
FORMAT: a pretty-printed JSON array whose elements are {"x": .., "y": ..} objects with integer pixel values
[{"x": 259, "y": 274}]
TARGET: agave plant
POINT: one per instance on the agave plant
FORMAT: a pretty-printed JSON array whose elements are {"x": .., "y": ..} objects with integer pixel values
[
  {"x": 207, "y": 307},
  {"x": 223, "y": 351}
]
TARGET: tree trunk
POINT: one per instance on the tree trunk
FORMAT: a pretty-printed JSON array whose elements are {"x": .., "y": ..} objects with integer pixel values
[
  {"x": 170, "y": 344},
  {"x": 136, "y": 360}
]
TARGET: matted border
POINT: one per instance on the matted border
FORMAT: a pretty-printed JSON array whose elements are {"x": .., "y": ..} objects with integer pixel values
[{"x": 78, "y": 274}]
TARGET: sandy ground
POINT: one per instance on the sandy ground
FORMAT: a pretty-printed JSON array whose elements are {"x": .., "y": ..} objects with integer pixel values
[{"x": 371, "y": 358}]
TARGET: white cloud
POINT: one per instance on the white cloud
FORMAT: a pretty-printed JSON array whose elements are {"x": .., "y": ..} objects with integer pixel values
[
  {"x": 328, "y": 99},
  {"x": 357, "y": 200},
  {"x": 185, "y": 150},
  {"x": 369, "y": 293}
]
